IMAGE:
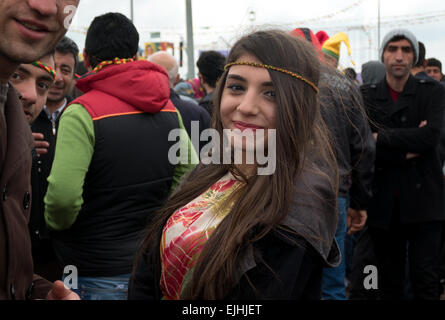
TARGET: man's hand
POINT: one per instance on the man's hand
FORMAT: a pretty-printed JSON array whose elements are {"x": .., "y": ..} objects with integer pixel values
[
  {"x": 410, "y": 155},
  {"x": 40, "y": 144},
  {"x": 375, "y": 135},
  {"x": 60, "y": 292},
  {"x": 355, "y": 220}
]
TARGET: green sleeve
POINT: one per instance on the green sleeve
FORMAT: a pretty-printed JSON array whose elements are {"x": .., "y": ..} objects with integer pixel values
[
  {"x": 182, "y": 168},
  {"x": 74, "y": 150}
]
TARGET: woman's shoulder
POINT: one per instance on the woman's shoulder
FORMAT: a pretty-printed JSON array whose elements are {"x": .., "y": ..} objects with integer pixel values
[{"x": 313, "y": 214}]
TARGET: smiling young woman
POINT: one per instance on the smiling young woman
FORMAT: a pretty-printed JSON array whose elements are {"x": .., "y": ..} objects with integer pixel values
[{"x": 229, "y": 233}]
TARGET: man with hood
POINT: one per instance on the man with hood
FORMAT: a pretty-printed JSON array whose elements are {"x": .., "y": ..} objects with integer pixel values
[
  {"x": 372, "y": 72},
  {"x": 111, "y": 170}
]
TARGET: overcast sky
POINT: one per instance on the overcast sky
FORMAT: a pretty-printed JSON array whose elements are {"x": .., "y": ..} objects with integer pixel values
[{"x": 217, "y": 24}]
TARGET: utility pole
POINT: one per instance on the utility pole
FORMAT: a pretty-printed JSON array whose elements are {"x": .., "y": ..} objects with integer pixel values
[
  {"x": 378, "y": 28},
  {"x": 190, "y": 46},
  {"x": 131, "y": 11}
]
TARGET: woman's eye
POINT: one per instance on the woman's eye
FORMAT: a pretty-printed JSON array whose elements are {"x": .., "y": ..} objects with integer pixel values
[
  {"x": 235, "y": 87},
  {"x": 270, "y": 94}
]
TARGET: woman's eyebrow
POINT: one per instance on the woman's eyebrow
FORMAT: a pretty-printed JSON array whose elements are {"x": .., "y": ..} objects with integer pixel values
[
  {"x": 236, "y": 77},
  {"x": 240, "y": 78}
]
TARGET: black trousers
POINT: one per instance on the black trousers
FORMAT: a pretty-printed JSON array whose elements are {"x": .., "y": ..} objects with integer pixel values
[
  {"x": 422, "y": 243},
  {"x": 362, "y": 256},
  {"x": 45, "y": 261}
]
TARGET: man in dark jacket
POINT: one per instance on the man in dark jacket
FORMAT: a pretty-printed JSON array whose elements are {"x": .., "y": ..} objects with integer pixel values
[
  {"x": 29, "y": 29},
  {"x": 434, "y": 70},
  {"x": 46, "y": 124},
  {"x": 193, "y": 116},
  {"x": 407, "y": 206},
  {"x": 211, "y": 66}
]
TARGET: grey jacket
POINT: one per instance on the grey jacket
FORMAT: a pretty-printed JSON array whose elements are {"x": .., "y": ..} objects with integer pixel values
[{"x": 342, "y": 108}]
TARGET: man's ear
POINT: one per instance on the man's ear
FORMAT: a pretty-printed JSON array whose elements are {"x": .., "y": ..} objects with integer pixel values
[
  {"x": 86, "y": 60},
  {"x": 178, "y": 77}
]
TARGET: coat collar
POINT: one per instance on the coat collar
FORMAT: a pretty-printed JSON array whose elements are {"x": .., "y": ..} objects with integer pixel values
[
  {"x": 312, "y": 215},
  {"x": 383, "y": 89},
  {"x": 386, "y": 102}
]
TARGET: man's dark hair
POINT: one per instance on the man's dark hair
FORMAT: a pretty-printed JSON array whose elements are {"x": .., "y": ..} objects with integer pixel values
[
  {"x": 65, "y": 46},
  {"x": 433, "y": 62},
  {"x": 211, "y": 66},
  {"x": 110, "y": 36},
  {"x": 421, "y": 61}
]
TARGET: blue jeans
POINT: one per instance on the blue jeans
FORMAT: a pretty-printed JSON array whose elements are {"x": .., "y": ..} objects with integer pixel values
[
  {"x": 350, "y": 241},
  {"x": 103, "y": 288},
  {"x": 333, "y": 280}
]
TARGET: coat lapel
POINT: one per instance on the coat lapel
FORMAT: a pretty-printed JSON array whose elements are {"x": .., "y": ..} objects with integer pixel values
[
  {"x": 19, "y": 135},
  {"x": 404, "y": 100}
]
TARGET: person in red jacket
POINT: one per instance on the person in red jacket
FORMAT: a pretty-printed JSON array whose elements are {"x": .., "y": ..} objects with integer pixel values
[{"x": 112, "y": 167}]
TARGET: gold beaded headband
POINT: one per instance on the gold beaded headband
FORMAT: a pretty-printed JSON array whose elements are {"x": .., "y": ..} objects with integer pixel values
[
  {"x": 45, "y": 67},
  {"x": 260, "y": 65}
]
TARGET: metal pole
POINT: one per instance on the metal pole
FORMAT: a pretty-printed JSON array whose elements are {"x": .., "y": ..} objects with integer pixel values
[
  {"x": 131, "y": 11},
  {"x": 378, "y": 29},
  {"x": 190, "y": 46}
]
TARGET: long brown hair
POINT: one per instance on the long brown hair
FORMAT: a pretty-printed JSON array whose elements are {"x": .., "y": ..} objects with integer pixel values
[{"x": 263, "y": 202}]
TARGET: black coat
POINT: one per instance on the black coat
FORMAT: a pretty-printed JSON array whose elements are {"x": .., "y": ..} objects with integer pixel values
[
  {"x": 282, "y": 265},
  {"x": 191, "y": 112},
  {"x": 207, "y": 103},
  {"x": 423, "y": 75},
  {"x": 41, "y": 168},
  {"x": 297, "y": 268},
  {"x": 417, "y": 182}
]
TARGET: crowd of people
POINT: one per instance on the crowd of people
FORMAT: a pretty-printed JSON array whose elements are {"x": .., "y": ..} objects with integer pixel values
[{"x": 92, "y": 180}]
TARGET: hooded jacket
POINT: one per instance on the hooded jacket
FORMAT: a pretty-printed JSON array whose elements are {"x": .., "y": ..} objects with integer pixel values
[{"x": 111, "y": 169}]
